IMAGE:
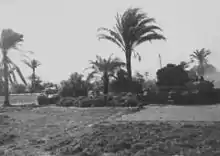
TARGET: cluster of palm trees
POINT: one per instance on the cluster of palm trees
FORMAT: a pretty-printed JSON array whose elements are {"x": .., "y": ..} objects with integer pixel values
[{"x": 132, "y": 28}]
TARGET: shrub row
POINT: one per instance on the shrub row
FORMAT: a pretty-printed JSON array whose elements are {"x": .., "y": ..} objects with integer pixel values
[
  {"x": 117, "y": 101},
  {"x": 184, "y": 98},
  {"x": 125, "y": 100}
]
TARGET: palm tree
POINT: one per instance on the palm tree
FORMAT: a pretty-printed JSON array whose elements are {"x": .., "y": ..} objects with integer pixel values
[
  {"x": 9, "y": 40},
  {"x": 201, "y": 57},
  {"x": 146, "y": 75},
  {"x": 33, "y": 64},
  {"x": 132, "y": 28},
  {"x": 105, "y": 68}
]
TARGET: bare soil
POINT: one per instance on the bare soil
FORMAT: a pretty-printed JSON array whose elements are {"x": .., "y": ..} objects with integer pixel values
[
  {"x": 27, "y": 131},
  {"x": 55, "y": 131}
]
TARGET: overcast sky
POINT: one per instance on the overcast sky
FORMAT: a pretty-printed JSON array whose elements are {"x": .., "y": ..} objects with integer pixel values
[{"x": 62, "y": 33}]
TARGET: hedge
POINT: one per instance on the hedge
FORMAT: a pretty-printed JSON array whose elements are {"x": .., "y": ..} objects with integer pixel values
[{"x": 181, "y": 98}]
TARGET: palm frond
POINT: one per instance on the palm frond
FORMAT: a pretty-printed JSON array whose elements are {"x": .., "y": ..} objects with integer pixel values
[
  {"x": 10, "y": 79},
  {"x": 137, "y": 55},
  {"x": 27, "y": 63},
  {"x": 146, "y": 21},
  {"x": 110, "y": 38},
  {"x": 9, "y": 39},
  {"x": 142, "y": 30},
  {"x": 150, "y": 37},
  {"x": 200, "y": 56},
  {"x": 114, "y": 34},
  {"x": 105, "y": 66},
  {"x": 17, "y": 70},
  {"x": 21, "y": 75},
  {"x": 14, "y": 77},
  {"x": 91, "y": 75}
]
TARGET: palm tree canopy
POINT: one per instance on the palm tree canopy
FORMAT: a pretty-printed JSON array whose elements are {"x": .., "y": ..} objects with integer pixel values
[
  {"x": 33, "y": 64},
  {"x": 10, "y": 39},
  {"x": 200, "y": 56},
  {"x": 132, "y": 28},
  {"x": 105, "y": 66}
]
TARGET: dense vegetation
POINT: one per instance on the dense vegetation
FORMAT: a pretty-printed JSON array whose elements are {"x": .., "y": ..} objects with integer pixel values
[{"x": 110, "y": 81}]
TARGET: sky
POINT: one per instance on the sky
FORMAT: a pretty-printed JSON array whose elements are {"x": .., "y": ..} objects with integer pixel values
[{"x": 63, "y": 33}]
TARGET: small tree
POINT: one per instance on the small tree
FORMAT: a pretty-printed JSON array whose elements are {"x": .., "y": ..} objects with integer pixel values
[
  {"x": 105, "y": 68},
  {"x": 33, "y": 64},
  {"x": 18, "y": 88},
  {"x": 201, "y": 57},
  {"x": 123, "y": 84},
  {"x": 74, "y": 86}
]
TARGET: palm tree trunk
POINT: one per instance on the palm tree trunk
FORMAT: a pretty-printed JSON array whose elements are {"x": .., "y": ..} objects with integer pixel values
[
  {"x": 106, "y": 83},
  {"x": 128, "y": 65},
  {"x": 33, "y": 81},
  {"x": 6, "y": 90}
]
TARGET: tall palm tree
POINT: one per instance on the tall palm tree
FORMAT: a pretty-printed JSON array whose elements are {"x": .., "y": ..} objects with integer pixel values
[
  {"x": 9, "y": 40},
  {"x": 105, "y": 68},
  {"x": 201, "y": 57},
  {"x": 33, "y": 64},
  {"x": 132, "y": 28}
]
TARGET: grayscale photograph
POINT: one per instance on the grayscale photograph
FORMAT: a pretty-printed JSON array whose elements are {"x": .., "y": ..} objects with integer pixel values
[{"x": 109, "y": 78}]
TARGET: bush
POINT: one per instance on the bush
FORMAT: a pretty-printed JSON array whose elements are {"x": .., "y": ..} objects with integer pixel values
[
  {"x": 197, "y": 98},
  {"x": 97, "y": 102},
  {"x": 217, "y": 92},
  {"x": 67, "y": 102},
  {"x": 132, "y": 102},
  {"x": 54, "y": 99},
  {"x": 85, "y": 102},
  {"x": 125, "y": 100},
  {"x": 122, "y": 101},
  {"x": 156, "y": 98},
  {"x": 43, "y": 100},
  {"x": 202, "y": 97},
  {"x": 81, "y": 102}
]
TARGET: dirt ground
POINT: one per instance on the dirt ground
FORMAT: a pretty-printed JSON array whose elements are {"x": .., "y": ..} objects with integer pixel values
[
  {"x": 46, "y": 131},
  {"x": 27, "y": 131},
  {"x": 177, "y": 113}
]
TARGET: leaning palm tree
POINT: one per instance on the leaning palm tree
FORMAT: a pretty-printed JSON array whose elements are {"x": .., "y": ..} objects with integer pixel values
[
  {"x": 132, "y": 28},
  {"x": 201, "y": 57},
  {"x": 33, "y": 64},
  {"x": 9, "y": 40},
  {"x": 105, "y": 68}
]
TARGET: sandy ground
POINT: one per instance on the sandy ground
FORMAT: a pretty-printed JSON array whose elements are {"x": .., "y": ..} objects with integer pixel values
[{"x": 177, "y": 113}]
